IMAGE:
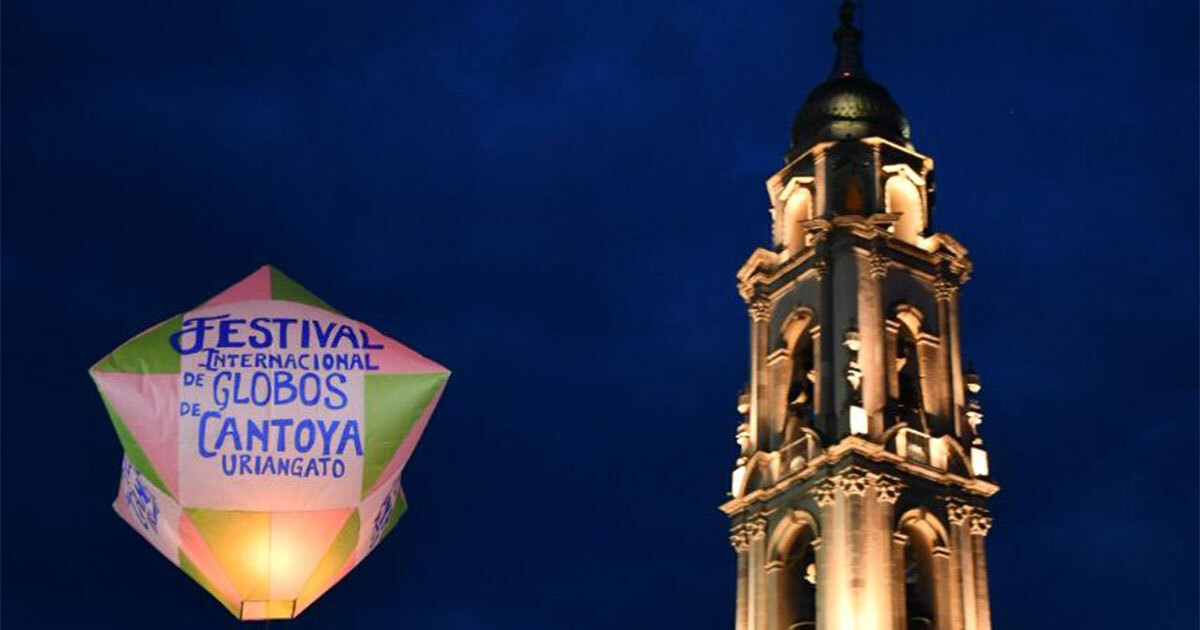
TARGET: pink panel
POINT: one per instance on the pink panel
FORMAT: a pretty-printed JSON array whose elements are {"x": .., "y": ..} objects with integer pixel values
[
  {"x": 149, "y": 405},
  {"x": 410, "y": 443},
  {"x": 256, "y": 286},
  {"x": 395, "y": 358},
  {"x": 193, "y": 545}
]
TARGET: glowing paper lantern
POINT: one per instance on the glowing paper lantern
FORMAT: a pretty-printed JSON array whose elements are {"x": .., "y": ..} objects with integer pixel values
[{"x": 264, "y": 436}]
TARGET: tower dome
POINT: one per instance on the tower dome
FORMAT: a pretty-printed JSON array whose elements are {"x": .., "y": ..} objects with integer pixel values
[{"x": 848, "y": 104}]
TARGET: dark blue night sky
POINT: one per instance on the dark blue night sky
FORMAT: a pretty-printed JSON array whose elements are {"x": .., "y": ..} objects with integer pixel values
[{"x": 552, "y": 200}]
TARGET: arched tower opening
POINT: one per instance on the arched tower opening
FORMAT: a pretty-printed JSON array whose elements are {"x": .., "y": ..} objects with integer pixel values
[
  {"x": 796, "y": 211},
  {"x": 921, "y": 538},
  {"x": 903, "y": 199},
  {"x": 797, "y": 584}
]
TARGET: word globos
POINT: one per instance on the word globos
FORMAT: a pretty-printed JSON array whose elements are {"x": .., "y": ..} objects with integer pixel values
[{"x": 264, "y": 436}]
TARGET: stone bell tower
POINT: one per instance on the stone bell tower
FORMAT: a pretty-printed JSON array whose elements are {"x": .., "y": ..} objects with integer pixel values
[{"x": 859, "y": 497}]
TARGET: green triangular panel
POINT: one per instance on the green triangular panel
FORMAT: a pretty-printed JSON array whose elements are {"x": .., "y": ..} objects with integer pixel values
[
  {"x": 284, "y": 288},
  {"x": 394, "y": 402},
  {"x": 149, "y": 353},
  {"x": 332, "y": 562},
  {"x": 231, "y": 536},
  {"x": 193, "y": 571},
  {"x": 137, "y": 457}
]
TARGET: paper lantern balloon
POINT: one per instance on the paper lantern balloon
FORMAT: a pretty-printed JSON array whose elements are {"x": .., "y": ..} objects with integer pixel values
[{"x": 264, "y": 435}]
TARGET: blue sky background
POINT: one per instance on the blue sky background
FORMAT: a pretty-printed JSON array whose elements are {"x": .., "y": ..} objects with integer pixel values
[{"x": 552, "y": 199}]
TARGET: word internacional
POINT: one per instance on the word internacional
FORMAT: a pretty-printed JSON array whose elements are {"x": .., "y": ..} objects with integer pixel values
[{"x": 264, "y": 437}]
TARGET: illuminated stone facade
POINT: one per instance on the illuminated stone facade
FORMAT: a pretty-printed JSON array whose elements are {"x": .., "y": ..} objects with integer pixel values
[{"x": 859, "y": 496}]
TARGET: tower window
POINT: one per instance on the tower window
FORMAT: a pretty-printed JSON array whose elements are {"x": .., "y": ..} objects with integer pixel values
[
  {"x": 800, "y": 403},
  {"x": 909, "y": 403},
  {"x": 798, "y": 602}
]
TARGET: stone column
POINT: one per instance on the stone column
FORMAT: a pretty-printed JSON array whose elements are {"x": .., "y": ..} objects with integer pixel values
[
  {"x": 773, "y": 572},
  {"x": 944, "y": 290},
  {"x": 981, "y": 523},
  {"x": 872, "y": 328},
  {"x": 946, "y": 606},
  {"x": 883, "y": 550},
  {"x": 741, "y": 544},
  {"x": 829, "y": 563},
  {"x": 756, "y": 529},
  {"x": 899, "y": 618},
  {"x": 760, "y": 314},
  {"x": 853, "y": 572},
  {"x": 956, "y": 371},
  {"x": 962, "y": 573}
]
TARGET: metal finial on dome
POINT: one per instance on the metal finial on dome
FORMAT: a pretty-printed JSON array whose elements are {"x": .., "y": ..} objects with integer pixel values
[
  {"x": 848, "y": 38},
  {"x": 848, "y": 105}
]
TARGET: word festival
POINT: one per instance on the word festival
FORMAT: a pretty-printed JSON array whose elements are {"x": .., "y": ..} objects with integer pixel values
[{"x": 239, "y": 392}]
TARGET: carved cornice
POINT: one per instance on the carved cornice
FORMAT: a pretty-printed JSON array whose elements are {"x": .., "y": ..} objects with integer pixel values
[
  {"x": 855, "y": 482},
  {"x": 856, "y": 446}
]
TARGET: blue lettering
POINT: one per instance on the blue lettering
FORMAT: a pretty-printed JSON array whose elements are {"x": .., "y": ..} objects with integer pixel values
[
  {"x": 229, "y": 431},
  {"x": 282, "y": 424},
  {"x": 226, "y": 329},
  {"x": 200, "y": 438},
  {"x": 350, "y": 434},
  {"x": 306, "y": 434}
]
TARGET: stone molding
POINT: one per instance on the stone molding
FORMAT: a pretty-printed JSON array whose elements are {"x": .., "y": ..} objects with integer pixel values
[
  {"x": 748, "y": 531},
  {"x": 760, "y": 308},
  {"x": 855, "y": 481},
  {"x": 978, "y": 520},
  {"x": 878, "y": 264},
  {"x": 944, "y": 289},
  {"x": 981, "y": 522}
]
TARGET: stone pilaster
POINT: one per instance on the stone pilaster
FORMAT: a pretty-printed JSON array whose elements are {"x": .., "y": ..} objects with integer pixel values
[
  {"x": 741, "y": 545},
  {"x": 981, "y": 523},
  {"x": 760, "y": 317},
  {"x": 946, "y": 292},
  {"x": 856, "y": 567}
]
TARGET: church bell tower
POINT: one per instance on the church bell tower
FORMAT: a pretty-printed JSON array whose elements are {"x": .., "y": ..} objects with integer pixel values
[{"x": 859, "y": 496}]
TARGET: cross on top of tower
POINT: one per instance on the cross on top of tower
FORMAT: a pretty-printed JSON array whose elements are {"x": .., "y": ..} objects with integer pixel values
[
  {"x": 848, "y": 105},
  {"x": 849, "y": 48}
]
